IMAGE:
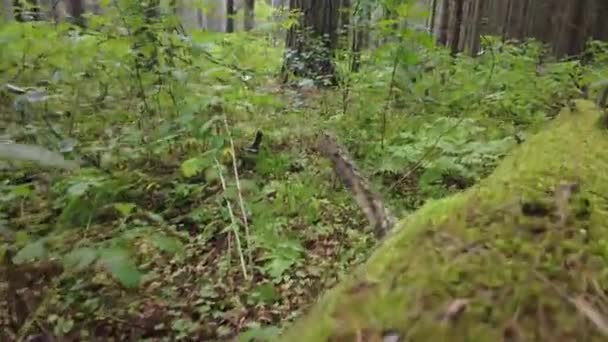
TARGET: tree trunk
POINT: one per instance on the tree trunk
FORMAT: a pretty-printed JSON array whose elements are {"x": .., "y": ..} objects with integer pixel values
[
  {"x": 456, "y": 27},
  {"x": 518, "y": 257},
  {"x": 432, "y": 17},
  {"x": 249, "y": 21},
  {"x": 310, "y": 45},
  {"x": 7, "y": 10},
  {"x": 361, "y": 34},
  {"x": 444, "y": 22},
  {"x": 229, "y": 16},
  {"x": 345, "y": 8},
  {"x": 76, "y": 10},
  {"x": 95, "y": 7}
]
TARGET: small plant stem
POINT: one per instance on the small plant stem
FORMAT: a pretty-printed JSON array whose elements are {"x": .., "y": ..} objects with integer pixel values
[
  {"x": 239, "y": 192},
  {"x": 233, "y": 223}
]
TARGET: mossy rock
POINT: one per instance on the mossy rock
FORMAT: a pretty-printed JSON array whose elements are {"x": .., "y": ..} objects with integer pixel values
[{"x": 522, "y": 256}]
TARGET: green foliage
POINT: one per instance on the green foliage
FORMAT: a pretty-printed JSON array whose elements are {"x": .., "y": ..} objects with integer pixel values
[{"x": 151, "y": 114}]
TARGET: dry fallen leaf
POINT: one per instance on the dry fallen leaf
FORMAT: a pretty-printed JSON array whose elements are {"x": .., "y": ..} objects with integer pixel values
[{"x": 454, "y": 310}]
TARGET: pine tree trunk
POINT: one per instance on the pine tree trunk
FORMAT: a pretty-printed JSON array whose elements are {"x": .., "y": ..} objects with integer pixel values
[
  {"x": 229, "y": 16},
  {"x": 249, "y": 18},
  {"x": 76, "y": 10},
  {"x": 310, "y": 45},
  {"x": 444, "y": 22}
]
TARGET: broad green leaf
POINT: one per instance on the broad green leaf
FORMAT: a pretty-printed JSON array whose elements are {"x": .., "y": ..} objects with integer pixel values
[
  {"x": 31, "y": 252},
  {"x": 79, "y": 258},
  {"x": 121, "y": 266},
  {"x": 193, "y": 166},
  {"x": 22, "y": 190},
  {"x": 277, "y": 266},
  {"x": 265, "y": 293},
  {"x": 78, "y": 189},
  {"x": 167, "y": 244}
]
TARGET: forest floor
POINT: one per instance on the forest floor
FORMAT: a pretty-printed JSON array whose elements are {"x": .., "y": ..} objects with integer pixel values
[{"x": 149, "y": 238}]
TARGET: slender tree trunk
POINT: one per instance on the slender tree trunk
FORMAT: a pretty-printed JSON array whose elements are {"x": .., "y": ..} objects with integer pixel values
[
  {"x": 444, "y": 22},
  {"x": 76, "y": 10},
  {"x": 432, "y": 17},
  {"x": 200, "y": 19},
  {"x": 310, "y": 45},
  {"x": 249, "y": 17},
  {"x": 345, "y": 13},
  {"x": 474, "y": 38},
  {"x": 96, "y": 7},
  {"x": 362, "y": 18},
  {"x": 229, "y": 16},
  {"x": 7, "y": 10},
  {"x": 455, "y": 32}
]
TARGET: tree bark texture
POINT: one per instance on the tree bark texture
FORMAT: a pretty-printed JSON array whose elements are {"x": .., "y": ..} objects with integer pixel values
[
  {"x": 230, "y": 16},
  {"x": 311, "y": 43},
  {"x": 564, "y": 24},
  {"x": 249, "y": 17}
]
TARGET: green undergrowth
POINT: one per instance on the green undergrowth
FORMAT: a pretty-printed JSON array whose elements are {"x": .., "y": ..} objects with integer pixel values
[
  {"x": 519, "y": 256},
  {"x": 144, "y": 234}
]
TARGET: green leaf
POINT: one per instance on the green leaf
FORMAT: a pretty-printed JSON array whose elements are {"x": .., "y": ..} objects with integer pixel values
[
  {"x": 167, "y": 244},
  {"x": 78, "y": 189},
  {"x": 31, "y": 251},
  {"x": 79, "y": 258},
  {"x": 193, "y": 166},
  {"x": 265, "y": 293},
  {"x": 277, "y": 266},
  {"x": 125, "y": 209},
  {"x": 22, "y": 190},
  {"x": 269, "y": 333},
  {"x": 121, "y": 266}
]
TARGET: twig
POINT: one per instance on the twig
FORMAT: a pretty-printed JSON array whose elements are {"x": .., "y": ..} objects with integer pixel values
[
  {"x": 233, "y": 221},
  {"x": 238, "y": 188}
]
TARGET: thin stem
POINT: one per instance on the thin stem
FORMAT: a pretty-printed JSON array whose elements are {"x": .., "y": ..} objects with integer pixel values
[
  {"x": 233, "y": 223},
  {"x": 239, "y": 192}
]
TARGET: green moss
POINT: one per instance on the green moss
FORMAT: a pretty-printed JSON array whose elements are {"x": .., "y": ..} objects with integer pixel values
[{"x": 517, "y": 270}]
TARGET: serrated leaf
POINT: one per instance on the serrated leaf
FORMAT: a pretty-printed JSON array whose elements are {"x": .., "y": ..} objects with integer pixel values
[
  {"x": 79, "y": 258},
  {"x": 121, "y": 266},
  {"x": 277, "y": 266}
]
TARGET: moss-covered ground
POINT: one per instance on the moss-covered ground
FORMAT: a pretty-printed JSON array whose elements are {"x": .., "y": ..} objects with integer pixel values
[{"x": 519, "y": 257}]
